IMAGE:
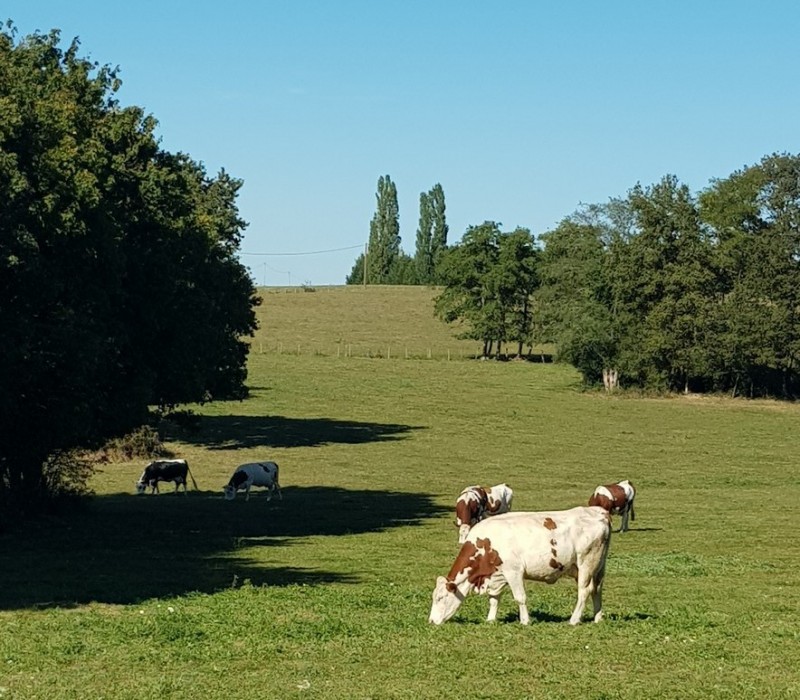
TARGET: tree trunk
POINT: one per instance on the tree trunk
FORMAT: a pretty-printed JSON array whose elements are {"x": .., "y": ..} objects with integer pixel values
[{"x": 610, "y": 379}]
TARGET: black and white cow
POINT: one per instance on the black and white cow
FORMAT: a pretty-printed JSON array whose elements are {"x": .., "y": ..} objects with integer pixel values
[
  {"x": 253, "y": 474},
  {"x": 175, "y": 470}
]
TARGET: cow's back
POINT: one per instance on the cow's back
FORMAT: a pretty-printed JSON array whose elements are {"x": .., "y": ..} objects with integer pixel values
[{"x": 546, "y": 545}]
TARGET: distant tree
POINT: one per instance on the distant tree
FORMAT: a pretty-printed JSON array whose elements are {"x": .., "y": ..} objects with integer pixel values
[
  {"x": 754, "y": 215},
  {"x": 119, "y": 282},
  {"x": 667, "y": 281},
  {"x": 356, "y": 275},
  {"x": 439, "y": 229},
  {"x": 575, "y": 301},
  {"x": 384, "y": 234},
  {"x": 423, "y": 256},
  {"x": 431, "y": 235},
  {"x": 488, "y": 278}
]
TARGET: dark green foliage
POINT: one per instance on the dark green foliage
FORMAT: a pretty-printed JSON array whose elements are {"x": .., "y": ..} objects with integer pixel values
[
  {"x": 119, "y": 285},
  {"x": 439, "y": 229},
  {"x": 574, "y": 298},
  {"x": 682, "y": 293},
  {"x": 423, "y": 258},
  {"x": 431, "y": 236},
  {"x": 385, "y": 262},
  {"x": 384, "y": 234},
  {"x": 489, "y": 277}
]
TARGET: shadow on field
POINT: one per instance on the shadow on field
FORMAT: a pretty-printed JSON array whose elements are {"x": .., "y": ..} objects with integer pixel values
[
  {"x": 234, "y": 432},
  {"x": 542, "y": 616},
  {"x": 123, "y": 549}
]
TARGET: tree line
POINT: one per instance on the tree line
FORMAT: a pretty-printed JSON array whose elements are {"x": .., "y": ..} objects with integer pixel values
[
  {"x": 662, "y": 289},
  {"x": 670, "y": 290},
  {"x": 120, "y": 288}
]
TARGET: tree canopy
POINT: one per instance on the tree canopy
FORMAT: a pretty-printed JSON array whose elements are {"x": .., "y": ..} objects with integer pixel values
[
  {"x": 681, "y": 292},
  {"x": 119, "y": 285},
  {"x": 385, "y": 262},
  {"x": 489, "y": 277}
]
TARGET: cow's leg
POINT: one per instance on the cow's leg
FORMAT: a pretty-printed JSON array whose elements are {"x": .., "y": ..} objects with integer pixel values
[
  {"x": 517, "y": 585},
  {"x": 597, "y": 593},
  {"x": 585, "y": 587},
  {"x": 624, "y": 524},
  {"x": 247, "y": 492},
  {"x": 269, "y": 493},
  {"x": 278, "y": 489},
  {"x": 494, "y": 599}
]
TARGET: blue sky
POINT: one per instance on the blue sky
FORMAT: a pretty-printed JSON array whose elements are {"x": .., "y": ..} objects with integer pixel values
[{"x": 520, "y": 110}]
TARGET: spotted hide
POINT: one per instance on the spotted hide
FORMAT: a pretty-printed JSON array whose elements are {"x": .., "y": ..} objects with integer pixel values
[
  {"x": 616, "y": 499},
  {"x": 263, "y": 474},
  {"x": 475, "y": 503},
  {"x": 175, "y": 470},
  {"x": 509, "y": 548}
]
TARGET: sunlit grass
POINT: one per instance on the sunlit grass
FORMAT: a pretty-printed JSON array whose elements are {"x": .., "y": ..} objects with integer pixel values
[{"x": 326, "y": 593}]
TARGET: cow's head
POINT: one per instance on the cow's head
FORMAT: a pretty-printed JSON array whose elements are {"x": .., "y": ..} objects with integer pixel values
[
  {"x": 230, "y": 492},
  {"x": 447, "y": 598},
  {"x": 141, "y": 486}
]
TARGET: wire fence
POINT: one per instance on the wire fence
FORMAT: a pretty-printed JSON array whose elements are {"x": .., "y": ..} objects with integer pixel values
[{"x": 389, "y": 351}]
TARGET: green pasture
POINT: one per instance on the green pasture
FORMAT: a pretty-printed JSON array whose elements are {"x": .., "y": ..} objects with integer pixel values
[{"x": 326, "y": 593}]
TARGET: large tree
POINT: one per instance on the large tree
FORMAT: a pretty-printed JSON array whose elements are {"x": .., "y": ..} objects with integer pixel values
[
  {"x": 488, "y": 278},
  {"x": 384, "y": 234},
  {"x": 423, "y": 257},
  {"x": 754, "y": 215},
  {"x": 666, "y": 280},
  {"x": 119, "y": 282},
  {"x": 574, "y": 298}
]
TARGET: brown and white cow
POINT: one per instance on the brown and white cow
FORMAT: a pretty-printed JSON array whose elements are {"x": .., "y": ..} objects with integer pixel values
[
  {"x": 510, "y": 548},
  {"x": 616, "y": 499},
  {"x": 475, "y": 503}
]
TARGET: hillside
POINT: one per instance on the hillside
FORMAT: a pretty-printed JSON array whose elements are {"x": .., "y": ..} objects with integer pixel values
[{"x": 361, "y": 321}]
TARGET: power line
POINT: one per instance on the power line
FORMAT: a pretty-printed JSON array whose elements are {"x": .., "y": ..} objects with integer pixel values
[{"x": 309, "y": 252}]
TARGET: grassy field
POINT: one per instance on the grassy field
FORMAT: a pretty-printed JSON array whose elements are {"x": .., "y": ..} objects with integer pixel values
[{"x": 326, "y": 593}]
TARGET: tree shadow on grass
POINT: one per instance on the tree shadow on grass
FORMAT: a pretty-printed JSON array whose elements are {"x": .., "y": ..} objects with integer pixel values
[
  {"x": 124, "y": 549},
  {"x": 235, "y": 432}
]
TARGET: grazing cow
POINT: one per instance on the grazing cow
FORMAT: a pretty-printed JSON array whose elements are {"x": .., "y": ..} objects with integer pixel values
[
  {"x": 475, "y": 503},
  {"x": 510, "y": 548},
  {"x": 164, "y": 470},
  {"x": 253, "y": 474},
  {"x": 616, "y": 499}
]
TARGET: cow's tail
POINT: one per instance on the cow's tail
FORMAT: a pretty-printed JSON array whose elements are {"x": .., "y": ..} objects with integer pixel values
[{"x": 194, "y": 483}]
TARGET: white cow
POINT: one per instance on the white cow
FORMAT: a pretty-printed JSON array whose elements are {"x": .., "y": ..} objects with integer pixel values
[
  {"x": 253, "y": 474},
  {"x": 509, "y": 548},
  {"x": 616, "y": 499},
  {"x": 475, "y": 503}
]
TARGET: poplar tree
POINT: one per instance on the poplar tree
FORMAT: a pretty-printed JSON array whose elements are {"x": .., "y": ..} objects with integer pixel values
[
  {"x": 439, "y": 229},
  {"x": 384, "y": 234},
  {"x": 423, "y": 258}
]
